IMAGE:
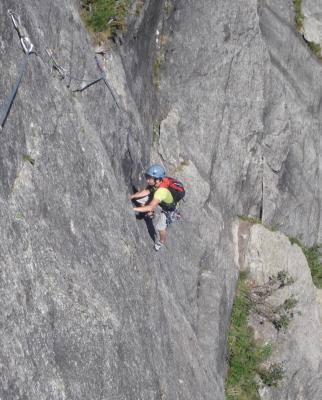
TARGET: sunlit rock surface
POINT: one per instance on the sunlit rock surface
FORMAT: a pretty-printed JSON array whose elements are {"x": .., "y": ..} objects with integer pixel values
[
  {"x": 312, "y": 25},
  {"x": 89, "y": 310},
  {"x": 298, "y": 347}
]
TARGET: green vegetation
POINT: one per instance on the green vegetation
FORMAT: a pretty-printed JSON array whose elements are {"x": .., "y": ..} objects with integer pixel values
[
  {"x": 256, "y": 220},
  {"x": 299, "y": 21},
  {"x": 245, "y": 356},
  {"x": 159, "y": 58},
  {"x": 299, "y": 17},
  {"x": 155, "y": 132},
  {"x": 283, "y": 314},
  {"x": 315, "y": 48},
  {"x": 104, "y": 18},
  {"x": 273, "y": 375},
  {"x": 139, "y": 7},
  {"x": 280, "y": 316},
  {"x": 247, "y": 359},
  {"x": 312, "y": 255},
  {"x": 168, "y": 7},
  {"x": 27, "y": 157},
  {"x": 250, "y": 218},
  {"x": 157, "y": 68}
]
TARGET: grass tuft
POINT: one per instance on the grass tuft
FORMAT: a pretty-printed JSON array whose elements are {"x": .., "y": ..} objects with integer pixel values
[
  {"x": 299, "y": 17},
  {"x": 168, "y": 7},
  {"x": 255, "y": 220},
  {"x": 27, "y": 157},
  {"x": 250, "y": 218},
  {"x": 315, "y": 48},
  {"x": 313, "y": 256},
  {"x": 248, "y": 365},
  {"x": 158, "y": 61},
  {"x": 104, "y": 18},
  {"x": 245, "y": 356},
  {"x": 155, "y": 132}
]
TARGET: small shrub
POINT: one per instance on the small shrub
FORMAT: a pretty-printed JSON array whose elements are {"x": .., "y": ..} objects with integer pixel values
[
  {"x": 289, "y": 304},
  {"x": 281, "y": 322},
  {"x": 272, "y": 375},
  {"x": 280, "y": 316},
  {"x": 284, "y": 278}
]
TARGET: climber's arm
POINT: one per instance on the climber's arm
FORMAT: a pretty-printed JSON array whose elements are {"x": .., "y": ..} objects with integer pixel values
[
  {"x": 138, "y": 195},
  {"x": 150, "y": 207}
]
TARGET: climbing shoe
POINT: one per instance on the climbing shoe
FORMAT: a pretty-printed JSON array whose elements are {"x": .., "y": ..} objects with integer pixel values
[{"x": 157, "y": 246}]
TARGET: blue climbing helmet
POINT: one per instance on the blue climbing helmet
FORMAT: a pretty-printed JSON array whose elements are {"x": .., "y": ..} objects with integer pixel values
[{"x": 156, "y": 171}]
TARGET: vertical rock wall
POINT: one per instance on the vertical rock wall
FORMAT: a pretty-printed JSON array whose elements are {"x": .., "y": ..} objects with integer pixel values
[
  {"x": 240, "y": 123},
  {"x": 292, "y": 120},
  {"x": 89, "y": 310},
  {"x": 212, "y": 91}
]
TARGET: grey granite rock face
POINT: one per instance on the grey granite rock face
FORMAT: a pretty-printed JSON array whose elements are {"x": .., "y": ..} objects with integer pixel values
[
  {"x": 212, "y": 89},
  {"x": 292, "y": 120},
  {"x": 241, "y": 95},
  {"x": 312, "y": 26},
  {"x": 88, "y": 310},
  {"x": 298, "y": 348}
]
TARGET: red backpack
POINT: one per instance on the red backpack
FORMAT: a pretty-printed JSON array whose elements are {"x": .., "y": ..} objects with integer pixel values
[{"x": 175, "y": 187}]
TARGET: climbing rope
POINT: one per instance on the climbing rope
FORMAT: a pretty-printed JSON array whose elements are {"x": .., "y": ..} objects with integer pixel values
[
  {"x": 88, "y": 82},
  {"x": 28, "y": 50}
]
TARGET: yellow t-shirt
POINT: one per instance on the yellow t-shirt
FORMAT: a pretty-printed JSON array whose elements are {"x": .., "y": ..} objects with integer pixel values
[{"x": 164, "y": 195}]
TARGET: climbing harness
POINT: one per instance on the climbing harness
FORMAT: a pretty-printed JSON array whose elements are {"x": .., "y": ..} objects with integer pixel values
[
  {"x": 172, "y": 216},
  {"x": 28, "y": 50}
]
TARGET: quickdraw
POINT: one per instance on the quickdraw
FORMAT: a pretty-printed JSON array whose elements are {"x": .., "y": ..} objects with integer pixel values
[
  {"x": 28, "y": 49},
  {"x": 22, "y": 33}
]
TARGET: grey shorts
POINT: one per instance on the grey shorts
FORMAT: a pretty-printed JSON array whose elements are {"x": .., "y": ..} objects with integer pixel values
[{"x": 166, "y": 218}]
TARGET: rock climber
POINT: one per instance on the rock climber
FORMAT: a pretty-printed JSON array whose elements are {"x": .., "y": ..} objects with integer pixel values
[{"x": 158, "y": 193}]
